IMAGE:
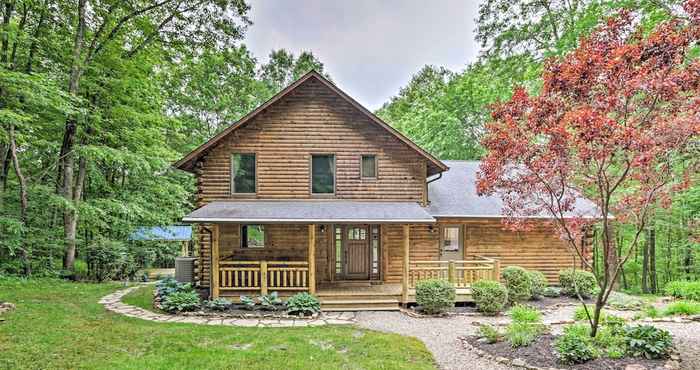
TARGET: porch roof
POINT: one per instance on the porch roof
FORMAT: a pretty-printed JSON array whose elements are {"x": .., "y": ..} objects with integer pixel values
[{"x": 331, "y": 211}]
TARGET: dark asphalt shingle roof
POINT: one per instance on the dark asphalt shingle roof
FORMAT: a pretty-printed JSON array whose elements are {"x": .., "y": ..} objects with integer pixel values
[
  {"x": 454, "y": 195},
  {"x": 340, "y": 211}
]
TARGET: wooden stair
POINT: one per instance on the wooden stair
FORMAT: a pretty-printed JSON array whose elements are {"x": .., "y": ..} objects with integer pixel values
[{"x": 358, "y": 300}]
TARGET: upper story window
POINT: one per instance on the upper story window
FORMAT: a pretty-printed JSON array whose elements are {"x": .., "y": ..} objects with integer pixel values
[
  {"x": 323, "y": 174},
  {"x": 243, "y": 173},
  {"x": 368, "y": 166}
]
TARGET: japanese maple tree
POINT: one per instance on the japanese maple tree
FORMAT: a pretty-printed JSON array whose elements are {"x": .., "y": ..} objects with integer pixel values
[{"x": 617, "y": 121}]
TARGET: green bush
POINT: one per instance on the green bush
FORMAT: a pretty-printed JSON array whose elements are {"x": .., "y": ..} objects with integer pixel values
[
  {"x": 518, "y": 283},
  {"x": 575, "y": 345},
  {"x": 539, "y": 283},
  {"x": 270, "y": 302},
  {"x": 683, "y": 289},
  {"x": 248, "y": 302},
  {"x": 109, "y": 260},
  {"x": 526, "y": 326},
  {"x": 169, "y": 285},
  {"x": 218, "y": 304},
  {"x": 435, "y": 296},
  {"x": 622, "y": 301},
  {"x": 647, "y": 341},
  {"x": 303, "y": 304},
  {"x": 551, "y": 292},
  {"x": 579, "y": 281},
  {"x": 490, "y": 333},
  {"x": 181, "y": 301},
  {"x": 489, "y": 296},
  {"x": 682, "y": 308}
]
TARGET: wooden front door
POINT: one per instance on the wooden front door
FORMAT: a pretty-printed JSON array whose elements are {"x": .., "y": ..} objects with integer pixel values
[{"x": 354, "y": 252}]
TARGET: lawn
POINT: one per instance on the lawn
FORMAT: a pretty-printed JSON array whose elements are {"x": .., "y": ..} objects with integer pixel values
[{"x": 60, "y": 325}]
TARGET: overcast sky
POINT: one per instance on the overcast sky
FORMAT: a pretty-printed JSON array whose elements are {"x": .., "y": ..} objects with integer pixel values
[{"x": 369, "y": 47}]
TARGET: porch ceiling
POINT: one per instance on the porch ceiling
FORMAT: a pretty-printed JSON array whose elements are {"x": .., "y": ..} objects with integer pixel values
[{"x": 321, "y": 211}]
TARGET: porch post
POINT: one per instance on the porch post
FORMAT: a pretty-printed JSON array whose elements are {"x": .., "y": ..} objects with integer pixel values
[
  {"x": 214, "y": 261},
  {"x": 312, "y": 258},
  {"x": 404, "y": 287}
]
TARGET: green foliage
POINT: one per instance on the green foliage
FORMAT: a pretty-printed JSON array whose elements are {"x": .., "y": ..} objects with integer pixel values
[
  {"x": 648, "y": 341},
  {"x": 622, "y": 301},
  {"x": 270, "y": 302},
  {"x": 518, "y": 282},
  {"x": 218, "y": 304},
  {"x": 551, "y": 292},
  {"x": 181, "y": 301},
  {"x": 682, "y": 308},
  {"x": 575, "y": 345},
  {"x": 303, "y": 304},
  {"x": 539, "y": 283},
  {"x": 248, "y": 302},
  {"x": 490, "y": 296},
  {"x": 683, "y": 289},
  {"x": 490, "y": 333},
  {"x": 526, "y": 326},
  {"x": 109, "y": 260},
  {"x": 577, "y": 282},
  {"x": 435, "y": 296},
  {"x": 651, "y": 311}
]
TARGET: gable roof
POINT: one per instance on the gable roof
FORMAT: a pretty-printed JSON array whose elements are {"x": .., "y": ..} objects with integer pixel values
[{"x": 187, "y": 163}]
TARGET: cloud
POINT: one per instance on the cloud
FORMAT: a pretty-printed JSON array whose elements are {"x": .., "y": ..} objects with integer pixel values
[{"x": 370, "y": 48}]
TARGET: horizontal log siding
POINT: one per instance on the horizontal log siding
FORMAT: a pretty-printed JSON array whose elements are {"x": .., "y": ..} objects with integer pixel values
[
  {"x": 312, "y": 119},
  {"x": 284, "y": 243},
  {"x": 423, "y": 246}
]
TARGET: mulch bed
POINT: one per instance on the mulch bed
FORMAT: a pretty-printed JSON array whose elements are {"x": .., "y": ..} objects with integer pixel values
[{"x": 541, "y": 353}]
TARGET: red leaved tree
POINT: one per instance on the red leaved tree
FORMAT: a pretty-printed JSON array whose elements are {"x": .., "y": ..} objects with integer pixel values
[{"x": 617, "y": 121}]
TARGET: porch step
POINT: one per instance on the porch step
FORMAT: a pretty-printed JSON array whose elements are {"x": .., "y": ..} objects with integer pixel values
[{"x": 359, "y": 304}]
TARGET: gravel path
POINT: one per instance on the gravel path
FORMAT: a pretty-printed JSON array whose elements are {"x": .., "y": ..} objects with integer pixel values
[
  {"x": 439, "y": 335},
  {"x": 686, "y": 336}
]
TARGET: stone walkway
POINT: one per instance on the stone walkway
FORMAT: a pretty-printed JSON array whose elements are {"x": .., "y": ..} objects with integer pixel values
[{"x": 112, "y": 302}]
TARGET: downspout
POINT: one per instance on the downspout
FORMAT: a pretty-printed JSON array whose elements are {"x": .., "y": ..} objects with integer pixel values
[
  {"x": 438, "y": 177},
  {"x": 211, "y": 261}
]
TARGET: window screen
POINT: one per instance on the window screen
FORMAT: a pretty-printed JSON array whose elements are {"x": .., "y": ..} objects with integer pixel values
[
  {"x": 243, "y": 170},
  {"x": 323, "y": 174},
  {"x": 450, "y": 238}
]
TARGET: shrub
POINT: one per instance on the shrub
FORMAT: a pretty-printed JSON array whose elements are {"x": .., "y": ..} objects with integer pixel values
[
  {"x": 526, "y": 326},
  {"x": 622, "y": 301},
  {"x": 169, "y": 285},
  {"x": 683, "y": 289},
  {"x": 524, "y": 314},
  {"x": 539, "y": 283},
  {"x": 270, "y": 302},
  {"x": 551, "y": 292},
  {"x": 490, "y": 296},
  {"x": 181, "y": 301},
  {"x": 579, "y": 281},
  {"x": 109, "y": 260},
  {"x": 682, "y": 308},
  {"x": 518, "y": 283},
  {"x": 435, "y": 296},
  {"x": 574, "y": 346},
  {"x": 647, "y": 341},
  {"x": 303, "y": 304},
  {"x": 218, "y": 304},
  {"x": 248, "y": 302},
  {"x": 490, "y": 333},
  {"x": 651, "y": 311}
]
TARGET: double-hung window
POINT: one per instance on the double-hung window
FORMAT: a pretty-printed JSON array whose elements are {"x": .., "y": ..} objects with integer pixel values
[{"x": 368, "y": 166}]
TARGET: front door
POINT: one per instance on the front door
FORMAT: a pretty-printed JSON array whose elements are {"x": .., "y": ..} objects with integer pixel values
[
  {"x": 352, "y": 252},
  {"x": 451, "y": 243}
]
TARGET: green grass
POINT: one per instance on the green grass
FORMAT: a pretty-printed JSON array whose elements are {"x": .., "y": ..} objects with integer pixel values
[
  {"x": 60, "y": 325},
  {"x": 682, "y": 308},
  {"x": 142, "y": 297}
]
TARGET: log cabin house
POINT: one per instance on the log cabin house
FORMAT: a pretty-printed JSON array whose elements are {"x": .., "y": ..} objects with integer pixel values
[{"x": 312, "y": 192}]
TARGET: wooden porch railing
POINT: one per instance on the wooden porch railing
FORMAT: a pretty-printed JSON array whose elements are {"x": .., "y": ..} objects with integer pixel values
[
  {"x": 459, "y": 273},
  {"x": 263, "y": 275}
]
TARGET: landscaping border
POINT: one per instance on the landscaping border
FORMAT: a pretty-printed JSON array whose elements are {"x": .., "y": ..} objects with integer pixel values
[
  {"x": 112, "y": 302},
  {"x": 673, "y": 363}
]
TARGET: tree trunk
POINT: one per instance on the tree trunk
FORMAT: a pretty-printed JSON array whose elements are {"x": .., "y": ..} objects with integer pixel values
[
  {"x": 645, "y": 267},
  {"x": 652, "y": 260},
  {"x": 70, "y": 215},
  {"x": 24, "y": 204}
]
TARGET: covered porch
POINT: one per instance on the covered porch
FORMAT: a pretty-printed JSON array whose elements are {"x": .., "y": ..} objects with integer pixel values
[{"x": 353, "y": 255}]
